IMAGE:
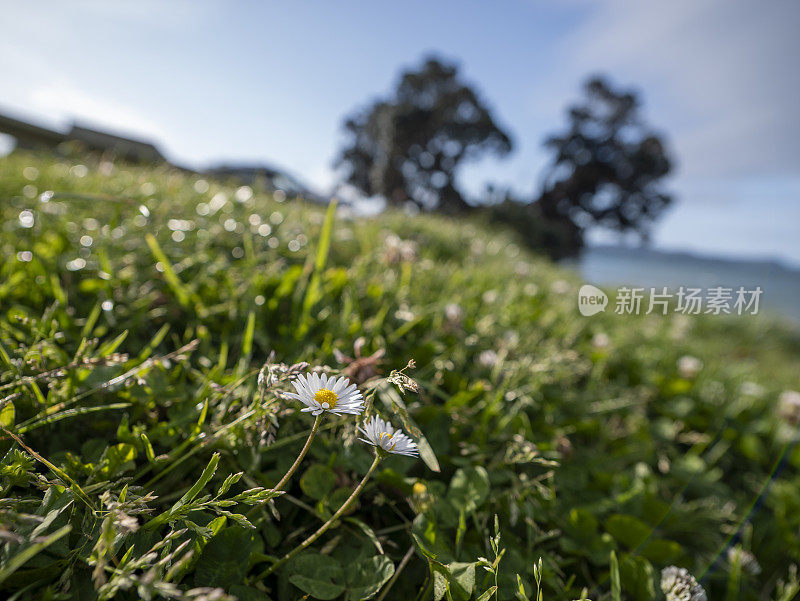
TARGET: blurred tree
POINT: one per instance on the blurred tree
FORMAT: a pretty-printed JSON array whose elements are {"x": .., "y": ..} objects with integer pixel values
[
  {"x": 408, "y": 148},
  {"x": 607, "y": 168}
]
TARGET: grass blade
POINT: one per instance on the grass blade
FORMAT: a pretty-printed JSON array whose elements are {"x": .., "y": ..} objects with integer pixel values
[
  {"x": 21, "y": 558},
  {"x": 323, "y": 247},
  {"x": 181, "y": 292}
]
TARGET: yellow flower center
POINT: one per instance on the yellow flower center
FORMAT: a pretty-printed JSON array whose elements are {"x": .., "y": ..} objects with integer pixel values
[
  {"x": 380, "y": 441},
  {"x": 419, "y": 488},
  {"x": 326, "y": 398}
]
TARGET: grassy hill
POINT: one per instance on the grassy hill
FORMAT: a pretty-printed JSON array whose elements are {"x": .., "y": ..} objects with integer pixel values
[{"x": 149, "y": 322}]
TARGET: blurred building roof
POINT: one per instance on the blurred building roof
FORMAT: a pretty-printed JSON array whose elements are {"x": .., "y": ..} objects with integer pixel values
[
  {"x": 267, "y": 176},
  {"x": 127, "y": 148},
  {"x": 34, "y": 137},
  {"x": 29, "y": 135}
]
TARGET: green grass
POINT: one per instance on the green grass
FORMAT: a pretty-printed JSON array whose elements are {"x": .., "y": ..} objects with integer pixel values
[{"x": 138, "y": 307}]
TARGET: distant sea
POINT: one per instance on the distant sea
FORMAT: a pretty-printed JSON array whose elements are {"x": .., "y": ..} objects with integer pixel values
[{"x": 617, "y": 266}]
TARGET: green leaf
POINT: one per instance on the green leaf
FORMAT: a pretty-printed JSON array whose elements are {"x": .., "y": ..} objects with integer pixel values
[
  {"x": 462, "y": 580},
  {"x": 638, "y": 578},
  {"x": 628, "y": 530},
  {"x": 230, "y": 480},
  {"x": 190, "y": 494},
  {"x": 91, "y": 320},
  {"x": 24, "y": 555},
  {"x": 440, "y": 578},
  {"x": 205, "y": 478},
  {"x": 365, "y": 578},
  {"x": 323, "y": 247},
  {"x": 469, "y": 488},
  {"x": 582, "y": 524},
  {"x": 369, "y": 532},
  {"x": 616, "y": 587},
  {"x": 174, "y": 282},
  {"x": 148, "y": 448},
  {"x": 109, "y": 347},
  {"x": 662, "y": 551},
  {"x": 317, "y": 575},
  {"x": 422, "y": 548},
  {"x": 247, "y": 343},
  {"x": 7, "y": 415},
  {"x": 116, "y": 459},
  {"x": 224, "y": 561},
  {"x": 154, "y": 342},
  {"x": 318, "y": 481},
  {"x": 248, "y": 593},
  {"x": 487, "y": 594}
]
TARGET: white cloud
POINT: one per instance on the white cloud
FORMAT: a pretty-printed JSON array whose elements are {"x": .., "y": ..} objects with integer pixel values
[
  {"x": 66, "y": 101},
  {"x": 719, "y": 76}
]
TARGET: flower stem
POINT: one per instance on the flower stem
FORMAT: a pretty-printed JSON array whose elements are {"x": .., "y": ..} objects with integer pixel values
[
  {"x": 324, "y": 528},
  {"x": 296, "y": 463},
  {"x": 302, "y": 454}
]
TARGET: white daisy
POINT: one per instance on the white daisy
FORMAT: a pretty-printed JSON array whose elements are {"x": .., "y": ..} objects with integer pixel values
[
  {"x": 321, "y": 393},
  {"x": 381, "y": 434}
]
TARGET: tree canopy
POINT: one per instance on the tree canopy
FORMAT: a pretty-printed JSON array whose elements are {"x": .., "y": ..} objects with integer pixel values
[
  {"x": 408, "y": 148},
  {"x": 608, "y": 166}
]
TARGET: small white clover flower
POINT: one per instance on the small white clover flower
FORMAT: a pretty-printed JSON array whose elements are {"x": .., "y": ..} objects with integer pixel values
[
  {"x": 689, "y": 367},
  {"x": 381, "y": 434},
  {"x": 789, "y": 406},
  {"x": 488, "y": 358},
  {"x": 678, "y": 584},
  {"x": 745, "y": 559},
  {"x": 321, "y": 393}
]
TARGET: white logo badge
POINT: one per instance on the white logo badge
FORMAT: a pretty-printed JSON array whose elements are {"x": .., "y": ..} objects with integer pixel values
[{"x": 591, "y": 300}]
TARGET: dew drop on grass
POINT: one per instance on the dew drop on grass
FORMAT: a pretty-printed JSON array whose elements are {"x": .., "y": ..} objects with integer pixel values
[
  {"x": 76, "y": 264},
  {"x": 26, "y": 218},
  {"x": 217, "y": 202},
  {"x": 79, "y": 170},
  {"x": 244, "y": 194}
]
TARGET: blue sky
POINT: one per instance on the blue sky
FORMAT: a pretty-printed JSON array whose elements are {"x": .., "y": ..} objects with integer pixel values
[{"x": 263, "y": 81}]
